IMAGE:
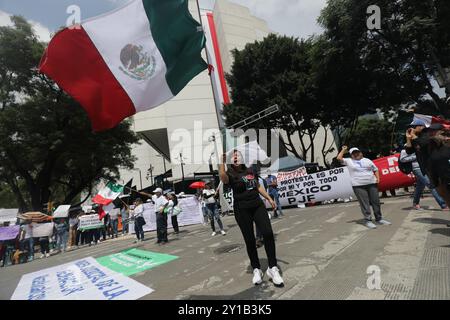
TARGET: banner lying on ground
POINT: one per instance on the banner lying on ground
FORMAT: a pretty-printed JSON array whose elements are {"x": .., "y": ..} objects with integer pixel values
[
  {"x": 83, "y": 279},
  {"x": 191, "y": 214},
  {"x": 133, "y": 261},
  {"x": 9, "y": 233},
  {"x": 90, "y": 221}
]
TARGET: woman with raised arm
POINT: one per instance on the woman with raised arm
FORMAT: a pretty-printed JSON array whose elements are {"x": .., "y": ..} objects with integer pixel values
[
  {"x": 365, "y": 178},
  {"x": 248, "y": 210}
]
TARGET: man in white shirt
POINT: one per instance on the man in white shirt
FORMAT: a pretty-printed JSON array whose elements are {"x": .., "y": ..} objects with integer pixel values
[
  {"x": 161, "y": 217},
  {"x": 365, "y": 178}
]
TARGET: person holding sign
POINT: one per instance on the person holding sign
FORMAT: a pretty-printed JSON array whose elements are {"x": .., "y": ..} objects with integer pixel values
[
  {"x": 365, "y": 178},
  {"x": 248, "y": 210}
]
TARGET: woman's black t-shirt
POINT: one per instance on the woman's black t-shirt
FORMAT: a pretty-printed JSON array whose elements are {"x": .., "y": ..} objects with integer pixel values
[{"x": 244, "y": 184}]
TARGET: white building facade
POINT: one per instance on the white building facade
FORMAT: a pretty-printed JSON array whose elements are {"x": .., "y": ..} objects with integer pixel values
[{"x": 180, "y": 130}]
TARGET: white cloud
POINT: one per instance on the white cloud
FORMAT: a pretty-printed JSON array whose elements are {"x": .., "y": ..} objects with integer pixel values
[
  {"x": 289, "y": 17},
  {"x": 41, "y": 31}
]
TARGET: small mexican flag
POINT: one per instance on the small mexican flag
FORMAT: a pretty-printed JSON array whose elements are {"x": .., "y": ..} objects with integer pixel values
[
  {"x": 108, "y": 194},
  {"x": 126, "y": 61}
]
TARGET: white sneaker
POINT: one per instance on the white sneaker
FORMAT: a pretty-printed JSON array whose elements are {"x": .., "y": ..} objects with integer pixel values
[
  {"x": 47, "y": 255},
  {"x": 274, "y": 275},
  {"x": 42, "y": 256},
  {"x": 257, "y": 276},
  {"x": 370, "y": 225},
  {"x": 213, "y": 234},
  {"x": 383, "y": 222},
  {"x": 223, "y": 232}
]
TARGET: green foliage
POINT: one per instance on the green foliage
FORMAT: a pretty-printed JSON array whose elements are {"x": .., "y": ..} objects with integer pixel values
[
  {"x": 276, "y": 70},
  {"x": 47, "y": 148},
  {"x": 373, "y": 137},
  {"x": 393, "y": 66}
]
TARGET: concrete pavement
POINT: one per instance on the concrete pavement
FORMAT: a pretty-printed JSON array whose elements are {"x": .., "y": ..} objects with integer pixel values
[{"x": 324, "y": 253}]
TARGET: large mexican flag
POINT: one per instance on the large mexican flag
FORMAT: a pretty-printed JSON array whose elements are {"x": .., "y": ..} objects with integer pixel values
[
  {"x": 126, "y": 61},
  {"x": 108, "y": 194}
]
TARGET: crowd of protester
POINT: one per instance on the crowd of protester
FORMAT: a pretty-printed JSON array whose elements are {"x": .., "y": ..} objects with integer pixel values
[
  {"x": 67, "y": 235},
  {"x": 425, "y": 155}
]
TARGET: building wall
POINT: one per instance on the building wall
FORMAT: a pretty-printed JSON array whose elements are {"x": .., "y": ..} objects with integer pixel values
[
  {"x": 195, "y": 103},
  {"x": 235, "y": 28},
  {"x": 194, "y": 106}
]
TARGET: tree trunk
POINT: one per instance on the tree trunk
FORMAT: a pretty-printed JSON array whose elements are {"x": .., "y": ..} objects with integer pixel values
[
  {"x": 311, "y": 139},
  {"x": 23, "y": 207}
]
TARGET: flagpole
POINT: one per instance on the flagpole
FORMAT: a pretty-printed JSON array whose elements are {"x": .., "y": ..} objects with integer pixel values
[
  {"x": 144, "y": 194},
  {"x": 214, "y": 91}
]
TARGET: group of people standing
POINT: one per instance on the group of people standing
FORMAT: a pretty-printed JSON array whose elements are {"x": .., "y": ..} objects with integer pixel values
[
  {"x": 426, "y": 155},
  {"x": 165, "y": 205}
]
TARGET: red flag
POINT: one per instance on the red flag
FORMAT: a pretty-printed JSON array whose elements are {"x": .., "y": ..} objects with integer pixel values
[{"x": 101, "y": 212}]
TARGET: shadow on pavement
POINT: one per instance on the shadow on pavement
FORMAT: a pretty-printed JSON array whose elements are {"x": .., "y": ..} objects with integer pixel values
[
  {"x": 431, "y": 220},
  {"x": 442, "y": 231},
  {"x": 253, "y": 293},
  {"x": 358, "y": 221}
]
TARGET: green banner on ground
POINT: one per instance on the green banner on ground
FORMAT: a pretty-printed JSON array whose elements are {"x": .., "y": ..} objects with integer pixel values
[{"x": 133, "y": 261}]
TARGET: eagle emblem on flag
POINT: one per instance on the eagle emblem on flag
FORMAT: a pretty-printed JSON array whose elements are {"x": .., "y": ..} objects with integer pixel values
[{"x": 136, "y": 63}]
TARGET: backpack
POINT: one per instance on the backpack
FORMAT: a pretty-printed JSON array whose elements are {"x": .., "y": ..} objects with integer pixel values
[{"x": 404, "y": 167}]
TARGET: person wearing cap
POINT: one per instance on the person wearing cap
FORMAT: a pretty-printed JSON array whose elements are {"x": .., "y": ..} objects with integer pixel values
[
  {"x": 419, "y": 136},
  {"x": 161, "y": 217},
  {"x": 408, "y": 155},
  {"x": 365, "y": 178}
]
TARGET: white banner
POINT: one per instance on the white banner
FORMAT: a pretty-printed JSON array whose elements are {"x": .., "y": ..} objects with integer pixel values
[
  {"x": 62, "y": 211},
  {"x": 8, "y": 215},
  {"x": 295, "y": 187},
  {"x": 83, "y": 279},
  {"x": 191, "y": 214},
  {"x": 300, "y": 172},
  {"x": 39, "y": 230},
  {"x": 90, "y": 221},
  {"x": 316, "y": 187}
]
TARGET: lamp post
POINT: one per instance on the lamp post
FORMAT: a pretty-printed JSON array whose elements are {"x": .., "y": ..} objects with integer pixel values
[
  {"x": 150, "y": 171},
  {"x": 140, "y": 176},
  {"x": 182, "y": 168}
]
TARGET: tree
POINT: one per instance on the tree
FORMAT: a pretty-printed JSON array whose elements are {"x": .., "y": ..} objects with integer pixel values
[
  {"x": 47, "y": 148},
  {"x": 373, "y": 137},
  {"x": 7, "y": 198},
  {"x": 277, "y": 70},
  {"x": 395, "y": 65}
]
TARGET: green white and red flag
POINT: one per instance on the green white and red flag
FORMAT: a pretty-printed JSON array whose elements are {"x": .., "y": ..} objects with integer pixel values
[
  {"x": 108, "y": 194},
  {"x": 127, "y": 61}
]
